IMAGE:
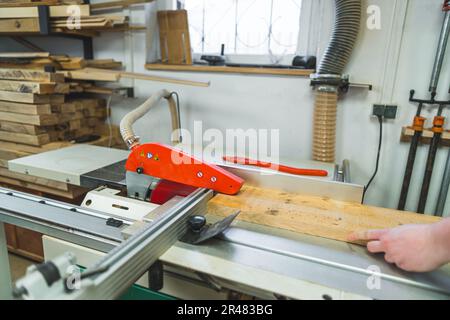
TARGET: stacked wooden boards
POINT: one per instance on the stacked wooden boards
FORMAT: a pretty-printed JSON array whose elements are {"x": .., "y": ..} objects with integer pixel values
[
  {"x": 39, "y": 112},
  {"x": 314, "y": 216},
  {"x": 65, "y": 16}
]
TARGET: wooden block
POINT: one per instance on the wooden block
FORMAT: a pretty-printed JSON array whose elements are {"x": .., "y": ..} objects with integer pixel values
[
  {"x": 38, "y": 120},
  {"x": 427, "y": 136},
  {"x": 19, "y": 25},
  {"x": 33, "y": 87},
  {"x": 24, "y": 108},
  {"x": 34, "y": 140},
  {"x": 314, "y": 216},
  {"x": 32, "y": 12},
  {"x": 30, "y": 75}
]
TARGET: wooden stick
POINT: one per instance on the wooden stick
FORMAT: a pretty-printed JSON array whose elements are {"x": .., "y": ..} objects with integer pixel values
[{"x": 113, "y": 75}]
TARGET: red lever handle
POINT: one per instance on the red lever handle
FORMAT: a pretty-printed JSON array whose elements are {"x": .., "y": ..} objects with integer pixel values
[{"x": 279, "y": 167}]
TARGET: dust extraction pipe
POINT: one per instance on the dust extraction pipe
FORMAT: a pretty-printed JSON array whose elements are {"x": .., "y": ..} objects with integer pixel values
[
  {"x": 329, "y": 77},
  {"x": 126, "y": 125}
]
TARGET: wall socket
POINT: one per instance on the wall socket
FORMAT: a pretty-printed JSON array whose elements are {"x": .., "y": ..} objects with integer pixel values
[{"x": 385, "y": 111}]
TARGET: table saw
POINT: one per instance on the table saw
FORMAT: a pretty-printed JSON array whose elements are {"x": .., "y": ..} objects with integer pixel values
[
  {"x": 163, "y": 218},
  {"x": 246, "y": 259}
]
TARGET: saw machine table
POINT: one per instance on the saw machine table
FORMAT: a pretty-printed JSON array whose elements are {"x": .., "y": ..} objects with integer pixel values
[{"x": 278, "y": 249}]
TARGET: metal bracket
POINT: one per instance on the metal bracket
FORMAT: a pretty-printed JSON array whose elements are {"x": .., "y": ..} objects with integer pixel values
[{"x": 199, "y": 232}]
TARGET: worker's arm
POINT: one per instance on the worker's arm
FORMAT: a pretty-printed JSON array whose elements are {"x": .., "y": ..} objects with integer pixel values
[{"x": 418, "y": 248}]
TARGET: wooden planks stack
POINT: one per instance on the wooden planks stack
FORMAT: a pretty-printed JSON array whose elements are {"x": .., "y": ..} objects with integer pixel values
[
  {"x": 22, "y": 17},
  {"x": 40, "y": 111}
]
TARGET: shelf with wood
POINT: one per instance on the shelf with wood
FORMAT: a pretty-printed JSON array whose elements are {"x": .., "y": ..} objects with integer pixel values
[{"x": 225, "y": 69}]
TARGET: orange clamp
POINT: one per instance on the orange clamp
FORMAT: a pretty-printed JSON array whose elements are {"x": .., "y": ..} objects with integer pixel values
[
  {"x": 438, "y": 124},
  {"x": 418, "y": 123}
]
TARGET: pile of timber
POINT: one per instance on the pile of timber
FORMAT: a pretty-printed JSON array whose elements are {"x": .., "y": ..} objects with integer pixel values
[
  {"x": 22, "y": 17},
  {"x": 41, "y": 111}
]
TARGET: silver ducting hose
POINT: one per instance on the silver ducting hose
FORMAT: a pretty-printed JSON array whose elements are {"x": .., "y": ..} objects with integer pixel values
[
  {"x": 334, "y": 60},
  {"x": 126, "y": 125},
  {"x": 345, "y": 33}
]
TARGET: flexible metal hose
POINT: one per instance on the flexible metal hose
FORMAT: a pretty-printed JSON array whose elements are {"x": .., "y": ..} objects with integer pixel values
[
  {"x": 334, "y": 60},
  {"x": 126, "y": 125},
  {"x": 345, "y": 33}
]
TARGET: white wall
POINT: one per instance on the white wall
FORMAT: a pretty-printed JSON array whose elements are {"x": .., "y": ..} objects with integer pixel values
[{"x": 392, "y": 59}]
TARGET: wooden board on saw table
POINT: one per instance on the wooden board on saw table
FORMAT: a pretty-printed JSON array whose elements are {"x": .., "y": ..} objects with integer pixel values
[{"x": 315, "y": 216}]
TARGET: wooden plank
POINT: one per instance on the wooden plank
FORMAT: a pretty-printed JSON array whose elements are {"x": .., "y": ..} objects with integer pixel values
[
  {"x": 7, "y": 154},
  {"x": 34, "y": 87},
  {"x": 95, "y": 74},
  {"x": 426, "y": 137},
  {"x": 19, "y": 25},
  {"x": 24, "y": 108},
  {"x": 30, "y": 75},
  {"x": 315, "y": 216},
  {"x": 34, "y": 140},
  {"x": 32, "y": 12},
  {"x": 22, "y": 128},
  {"x": 24, "y": 55},
  {"x": 224, "y": 69},
  {"x": 174, "y": 37},
  {"x": 38, "y": 120},
  {"x": 31, "y": 97}
]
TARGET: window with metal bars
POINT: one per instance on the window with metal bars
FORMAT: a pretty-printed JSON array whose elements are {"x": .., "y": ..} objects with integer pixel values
[{"x": 246, "y": 27}]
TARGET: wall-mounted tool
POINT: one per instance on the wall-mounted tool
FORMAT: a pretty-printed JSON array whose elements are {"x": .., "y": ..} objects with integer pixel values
[
  {"x": 438, "y": 128},
  {"x": 417, "y": 126},
  {"x": 276, "y": 167},
  {"x": 419, "y": 121}
]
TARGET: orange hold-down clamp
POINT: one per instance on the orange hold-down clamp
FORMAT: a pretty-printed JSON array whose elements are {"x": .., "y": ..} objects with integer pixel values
[
  {"x": 438, "y": 124},
  {"x": 418, "y": 124}
]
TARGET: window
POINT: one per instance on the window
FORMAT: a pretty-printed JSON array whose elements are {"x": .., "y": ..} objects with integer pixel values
[{"x": 245, "y": 27}]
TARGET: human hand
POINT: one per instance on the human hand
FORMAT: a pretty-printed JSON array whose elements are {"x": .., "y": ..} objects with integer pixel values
[{"x": 411, "y": 247}]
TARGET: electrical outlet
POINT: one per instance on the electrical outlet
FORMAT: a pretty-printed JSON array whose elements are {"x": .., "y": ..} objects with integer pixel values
[
  {"x": 378, "y": 110},
  {"x": 390, "y": 112},
  {"x": 384, "y": 111}
]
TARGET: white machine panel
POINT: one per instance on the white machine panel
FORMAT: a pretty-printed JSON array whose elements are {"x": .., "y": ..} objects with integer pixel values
[{"x": 68, "y": 164}]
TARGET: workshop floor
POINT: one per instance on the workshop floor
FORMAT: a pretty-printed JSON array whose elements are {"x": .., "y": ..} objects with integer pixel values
[{"x": 18, "y": 266}]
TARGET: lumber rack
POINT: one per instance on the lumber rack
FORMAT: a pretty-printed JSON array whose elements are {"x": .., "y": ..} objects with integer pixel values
[{"x": 44, "y": 30}]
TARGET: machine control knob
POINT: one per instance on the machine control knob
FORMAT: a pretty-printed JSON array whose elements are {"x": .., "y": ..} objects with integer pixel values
[
  {"x": 140, "y": 170},
  {"x": 197, "y": 223}
]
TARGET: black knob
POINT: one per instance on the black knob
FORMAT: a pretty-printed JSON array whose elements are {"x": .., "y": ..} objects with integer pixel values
[
  {"x": 140, "y": 170},
  {"x": 197, "y": 223}
]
